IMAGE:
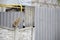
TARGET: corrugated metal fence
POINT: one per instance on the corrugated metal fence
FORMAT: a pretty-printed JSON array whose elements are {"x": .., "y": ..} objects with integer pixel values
[
  {"x": 7, "y": 18},
  {"x": 47, "y": 22}
]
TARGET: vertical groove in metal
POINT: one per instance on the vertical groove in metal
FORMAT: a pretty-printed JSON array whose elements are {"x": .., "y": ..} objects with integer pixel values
[
  {"x": 46, "y": 22},
  {"x": 58, "y": 24},
  {"x": 0, "y": 18},
  {"x": 8, "y": 20},
  {"x": 5, "y": 20}
]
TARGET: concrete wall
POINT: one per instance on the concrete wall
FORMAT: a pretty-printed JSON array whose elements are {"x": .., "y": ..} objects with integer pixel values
[
  {"x": 47, "y": 20},
  {"x": 17, "y": 34},
  {"x": 6, "y": 34},
  {"x": 25, "y": 34}
]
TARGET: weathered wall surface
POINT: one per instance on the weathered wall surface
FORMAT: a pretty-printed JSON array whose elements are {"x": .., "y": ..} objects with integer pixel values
[
  {"x": 17, "y": 34},
  {"x": 6, "y": 34},
  {"x": 25, "y": 34}
]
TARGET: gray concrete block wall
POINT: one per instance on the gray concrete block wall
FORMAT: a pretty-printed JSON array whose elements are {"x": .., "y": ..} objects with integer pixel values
[{"x": 47, "y": 22}]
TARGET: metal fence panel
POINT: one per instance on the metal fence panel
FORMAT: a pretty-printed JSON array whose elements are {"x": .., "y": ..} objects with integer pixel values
[
  {"x": 7, "y": 18},
  {"x": 47, "y": 24}
]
